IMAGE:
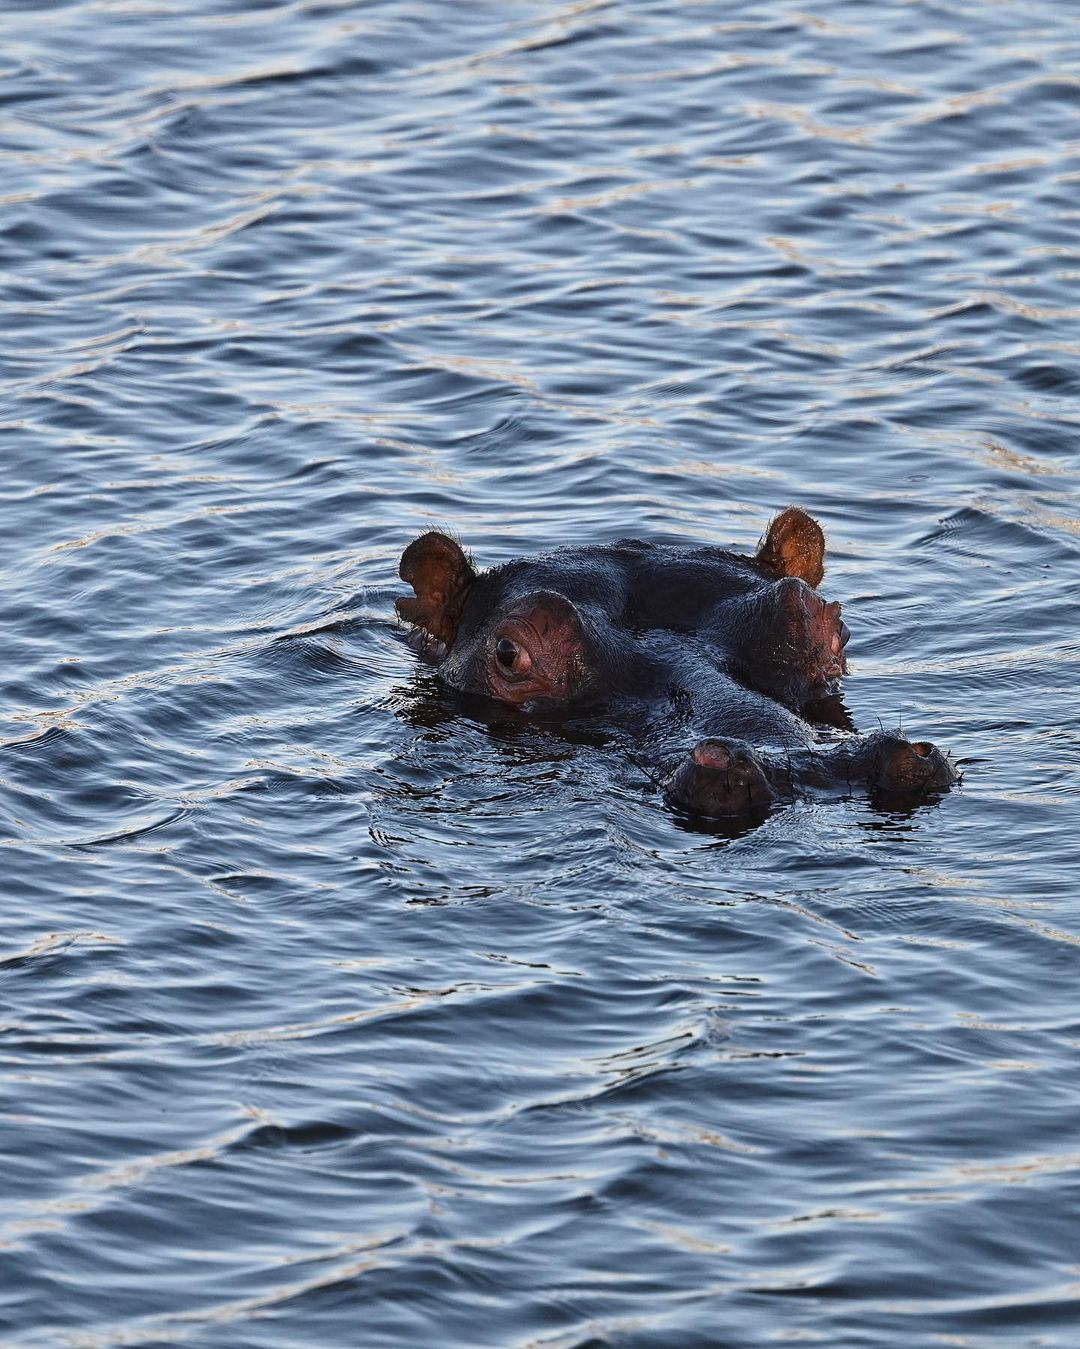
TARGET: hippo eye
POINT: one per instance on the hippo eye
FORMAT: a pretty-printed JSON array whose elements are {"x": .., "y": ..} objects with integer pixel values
[{"x": 514, "y": 659}]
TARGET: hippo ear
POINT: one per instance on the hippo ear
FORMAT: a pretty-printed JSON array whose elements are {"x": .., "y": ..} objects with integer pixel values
[
  {"x": 794, "y": 546},
  {"x": 441, "y": 574}
]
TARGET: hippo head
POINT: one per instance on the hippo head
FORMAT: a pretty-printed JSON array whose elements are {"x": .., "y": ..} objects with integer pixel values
[
  {"x": 526, "y": 647},
  {"x": 631, "y": 617}
]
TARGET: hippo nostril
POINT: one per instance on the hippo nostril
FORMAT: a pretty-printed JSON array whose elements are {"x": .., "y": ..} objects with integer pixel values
[
  {"x": 710, "y": 754},
  {"x": 923, "y": 748}
]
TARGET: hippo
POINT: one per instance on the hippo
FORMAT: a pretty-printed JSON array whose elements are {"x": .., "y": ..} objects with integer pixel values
[{"x": 672, "y": 640}]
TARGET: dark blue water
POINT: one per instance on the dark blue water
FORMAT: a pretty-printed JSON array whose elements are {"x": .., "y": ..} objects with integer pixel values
[{"x": 333, "y": 1015}]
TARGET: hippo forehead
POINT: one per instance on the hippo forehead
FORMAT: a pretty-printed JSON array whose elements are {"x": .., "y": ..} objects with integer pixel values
[
  {"x": 630, "y": 583},
  {"x": 587, "y": 577}
]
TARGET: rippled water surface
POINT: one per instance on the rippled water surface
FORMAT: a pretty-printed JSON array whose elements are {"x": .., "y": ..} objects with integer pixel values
[{"x": 336, "y": 1014}]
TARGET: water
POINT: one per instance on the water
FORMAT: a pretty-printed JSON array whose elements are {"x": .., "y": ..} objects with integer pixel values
[{"x": 336, "y": 1015}]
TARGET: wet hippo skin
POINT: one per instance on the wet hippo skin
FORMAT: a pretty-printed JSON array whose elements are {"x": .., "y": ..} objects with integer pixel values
[{"x": 741, "y": 649}]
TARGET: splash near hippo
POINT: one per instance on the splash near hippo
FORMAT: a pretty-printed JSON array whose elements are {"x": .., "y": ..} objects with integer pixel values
[{"x": 738, "y": 651}]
